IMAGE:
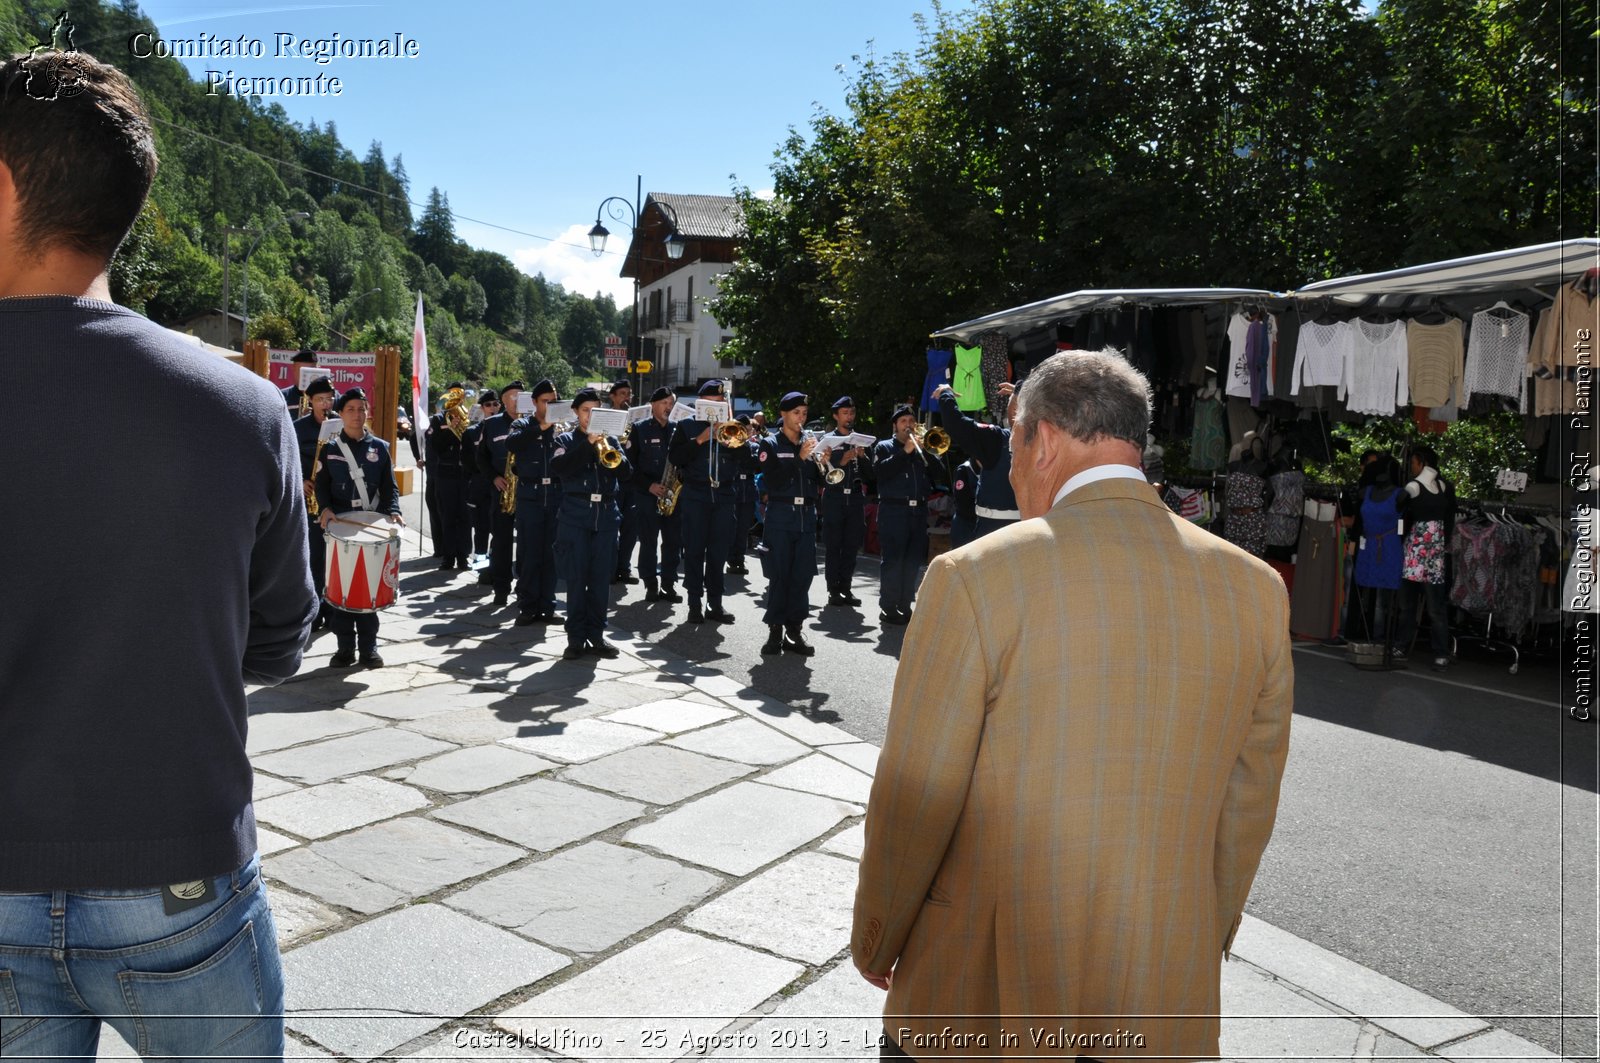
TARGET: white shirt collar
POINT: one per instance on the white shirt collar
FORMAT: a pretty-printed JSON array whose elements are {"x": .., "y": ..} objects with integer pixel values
[{"x": 1098, "y": 472}]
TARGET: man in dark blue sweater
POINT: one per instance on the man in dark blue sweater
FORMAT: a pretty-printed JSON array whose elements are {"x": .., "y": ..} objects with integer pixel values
[{"x": 154, "y": 569}]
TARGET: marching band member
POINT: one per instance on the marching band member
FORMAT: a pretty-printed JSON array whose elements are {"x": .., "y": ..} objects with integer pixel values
[
  {"x": 357, "y": 473},
  {"x": 292, "y": 394},
  {"x": 492, "y": 455},
  {"x": 533, "y": 441},
  {"x": 964, "y": 500},
  {"x": 622, "y": 399},
  {"x": 744, "y": 513},
  {"x": 991, "y": 446},
  {"x": 586, "y": 535},
  {"x": 844, "y": 520},
  {"x": 447, "y": 476},
  {"x": 707, "y": 507},
  {"x": 481, "y": 499},
  {"x": 647, "y": 453},
  {"x": 308, "y": 433},
  {"x": 792, "y": 480},
  {"x": 903, "y": 485}
]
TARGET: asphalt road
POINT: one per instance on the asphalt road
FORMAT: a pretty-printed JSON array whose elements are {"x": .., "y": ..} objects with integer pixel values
[{"x": 1440, "y": 829}]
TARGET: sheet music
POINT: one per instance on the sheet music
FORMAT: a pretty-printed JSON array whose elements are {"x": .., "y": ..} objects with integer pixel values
[
  {"x": 330, "y": 428},
  {"x": 712, "y": 410},
  {"x": 638, "y": 413},
  {"x": 608, "y": 422},
  {"x": 681, "y": 412},
  {"x": 308, "y": 373},
  {"x": 558, "y": 411},
  {"x": 526, "y": 404},
  {"x": 858, "y": 439}
]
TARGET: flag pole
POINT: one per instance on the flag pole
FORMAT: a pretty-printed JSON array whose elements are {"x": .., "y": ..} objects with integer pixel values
[{"x": 421, "y": 416}]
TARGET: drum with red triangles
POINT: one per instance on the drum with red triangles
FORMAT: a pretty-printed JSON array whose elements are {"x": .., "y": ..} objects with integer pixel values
[{"x": 363, "y": 554}]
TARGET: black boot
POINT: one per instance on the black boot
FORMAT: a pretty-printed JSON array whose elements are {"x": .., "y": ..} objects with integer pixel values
[
  {"x": 795, "y": 642},
  {"x": 774, "y": 640}
]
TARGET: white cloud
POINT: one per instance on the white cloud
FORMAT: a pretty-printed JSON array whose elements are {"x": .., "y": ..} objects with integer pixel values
[{"x": 567, "y": 261}]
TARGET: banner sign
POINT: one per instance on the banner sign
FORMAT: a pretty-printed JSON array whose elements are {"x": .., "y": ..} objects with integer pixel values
[{"x": 344, "y": 370}]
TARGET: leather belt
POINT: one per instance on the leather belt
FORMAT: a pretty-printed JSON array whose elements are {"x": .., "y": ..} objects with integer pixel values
[{"x": 998, "y": 514}]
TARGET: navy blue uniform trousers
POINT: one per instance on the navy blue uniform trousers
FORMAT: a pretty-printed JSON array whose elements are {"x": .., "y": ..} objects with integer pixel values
[
  {"x": 587, "y": 559},
  {"x": 536, "y": 532},
  {"x": 481, "y": 500},
  {"x": 655, "y": 530},
  {"x": 903, "y": 542},
  {"x": 502, "y": 569},
  {"x": 707, "y": 537},
  {"x": 627, "y": 531},
  {"x": 790, "y": 563},
  {"x": 453, "y": 534},
  {"x": 844, "y": 529}
]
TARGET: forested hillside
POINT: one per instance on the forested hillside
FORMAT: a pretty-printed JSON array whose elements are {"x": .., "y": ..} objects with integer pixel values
[{"x": 230, "y": 163}]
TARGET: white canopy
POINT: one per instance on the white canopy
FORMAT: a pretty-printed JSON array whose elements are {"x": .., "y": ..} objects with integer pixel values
[
  {"x": 1024, "y": 319},
  {"x": 1538, "y": 269}
]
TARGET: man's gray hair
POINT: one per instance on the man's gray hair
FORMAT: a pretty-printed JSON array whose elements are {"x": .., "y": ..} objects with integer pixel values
[{"x": 1089, "y": 395}]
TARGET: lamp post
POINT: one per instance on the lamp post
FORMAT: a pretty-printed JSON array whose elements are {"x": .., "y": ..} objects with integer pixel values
[
  {"x": 244, "y": 302},
  {"x": 674, "y": 242},
  {"x": 350, "y": 305}
]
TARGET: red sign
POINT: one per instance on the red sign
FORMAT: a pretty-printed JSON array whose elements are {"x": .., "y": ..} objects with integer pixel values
[
  {"x": 346, "y": 371},
  {"x": 616, "y": 353}
]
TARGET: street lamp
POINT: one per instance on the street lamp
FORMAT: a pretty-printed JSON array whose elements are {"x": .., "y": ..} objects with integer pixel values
[
  {"x": 261, "y": 234},
  {"x": 675, "y": 243},
  {"x": 348, "y": 306}
]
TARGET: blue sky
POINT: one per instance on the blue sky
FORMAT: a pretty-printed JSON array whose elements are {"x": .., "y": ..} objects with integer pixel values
[{"x": 529, "y": 114}]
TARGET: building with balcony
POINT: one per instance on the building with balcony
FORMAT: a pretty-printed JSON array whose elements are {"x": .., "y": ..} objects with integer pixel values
[{"x": 679, "y": 337}]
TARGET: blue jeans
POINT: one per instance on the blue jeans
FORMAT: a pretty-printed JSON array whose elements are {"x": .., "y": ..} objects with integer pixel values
[{"x": 202, "y": 984}]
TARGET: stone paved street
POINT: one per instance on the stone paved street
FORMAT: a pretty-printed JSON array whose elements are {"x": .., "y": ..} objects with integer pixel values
[{"x": 483, "y": 852}]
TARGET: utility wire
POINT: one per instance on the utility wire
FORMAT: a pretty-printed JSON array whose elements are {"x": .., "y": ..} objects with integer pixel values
[{"x": 342, "y": 183}]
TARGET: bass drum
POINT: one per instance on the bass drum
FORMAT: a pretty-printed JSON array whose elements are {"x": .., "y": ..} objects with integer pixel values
[{"x": 363, "y": 556}]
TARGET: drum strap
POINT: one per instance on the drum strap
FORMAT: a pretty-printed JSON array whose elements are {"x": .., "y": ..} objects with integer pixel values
[{"x": 357, "y": 476}]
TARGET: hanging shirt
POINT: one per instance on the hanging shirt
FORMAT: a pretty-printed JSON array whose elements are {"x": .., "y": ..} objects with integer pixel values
[
  {"x": 1497, "y": 356},
  {"x": 1238, "y": 375},
  {"x": 1434, "y": 354},
  {"x": 938, "y": 373},
  {"x": 969, "y": 378},
  {"x": 1321, "y": 355},
  {"x": 1376, "y": 380}
]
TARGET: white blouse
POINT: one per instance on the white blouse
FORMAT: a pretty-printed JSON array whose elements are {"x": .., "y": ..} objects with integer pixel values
[
  {"x": 1378, "y": 375},
  {"x": 1497, "y": 356},
  {"x": 1321, "y": 355}
]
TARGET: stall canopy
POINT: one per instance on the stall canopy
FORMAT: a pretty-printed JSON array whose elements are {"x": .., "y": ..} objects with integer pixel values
[
  {"x": 1021, "y": 320},
  {"x": 1523, "y": 271}
]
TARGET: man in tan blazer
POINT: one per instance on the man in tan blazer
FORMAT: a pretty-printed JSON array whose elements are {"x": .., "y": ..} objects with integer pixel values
[{"x": 1089, "y": 726}]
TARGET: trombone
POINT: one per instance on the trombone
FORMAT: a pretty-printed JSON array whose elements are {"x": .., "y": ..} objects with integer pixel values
[{"x": 931, "y": 438}]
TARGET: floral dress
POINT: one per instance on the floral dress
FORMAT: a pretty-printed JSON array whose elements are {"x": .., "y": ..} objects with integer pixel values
[{"x": 1425, "y": 552}]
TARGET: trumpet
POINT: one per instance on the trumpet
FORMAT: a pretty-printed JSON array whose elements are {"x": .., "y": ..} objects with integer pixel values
[
  {"x": 733, "y": 434},
  {"x": 830, "y": 474},
  {"x": 611, "y": 456}
]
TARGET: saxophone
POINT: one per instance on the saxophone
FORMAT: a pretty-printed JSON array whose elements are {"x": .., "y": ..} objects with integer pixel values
[
  {"x": 313, "y": 507},
  {"x": 508, "y": 497},
  {"x": 667, "y": 503}
]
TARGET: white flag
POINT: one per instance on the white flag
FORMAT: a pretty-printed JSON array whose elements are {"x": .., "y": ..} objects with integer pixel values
[{"x": 419, "y": 372}]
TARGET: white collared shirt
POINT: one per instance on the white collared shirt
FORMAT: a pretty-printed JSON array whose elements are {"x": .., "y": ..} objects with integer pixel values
[{"x": 1095, "y": 473}]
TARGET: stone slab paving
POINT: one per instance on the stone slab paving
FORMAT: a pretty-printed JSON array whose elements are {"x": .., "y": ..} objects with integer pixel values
[
  {"x": 655, "y": 983},
  {"x": 314, "y": 874},
  {"x": 848, "y": 842},
  {"x": 414, "y": 703},
  {"x": 318, "y": 811},
  {"x": 862, "y": 756},
  {"x": 835, "y": 1017},
  {"x": 588, "y": 898},
  {"x": 800, "y": 908},
  {"x": 270, "y": 731},
  {"x": 1274, "y": 1022},
  {"x": 542, "y": 814},
  {"x": 475, "y": 769},
  {"x": 299, "y": 918},
  {"x": 504, "y": 715},
  {"x": 266, "y": 786},
  {"x": 1495, "y": 1044},
  {"x": 742, "y": 828},
  {"x": 581, "y": 740},
  {"x": 350, "y": 755},
  {"x": 416, "y": 856},
  {"x": 367, "y": 990},
  {"x": 745, "y": 741},
  {"x": 671, "y": 717},
  {"x": 656, "y": 774},
  {"x": 819, "y": 774},
  {"x": 269, "y": 842}
]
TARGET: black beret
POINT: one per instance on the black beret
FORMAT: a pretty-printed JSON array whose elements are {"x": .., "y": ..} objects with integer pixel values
[
  {"x": 660, "y": 393},
  {"x": 515, "y": 385},
  {"x": 844, "y": 402},
  {"x": 455, "y": 384},
  {"x": 320, "y": 386},
  {"x": 793, "y": 400},
  {"x": 543, "y": 387},
  {"x": 352, "y": 394},
  {"x": 583, "y": 396},
  {"x": 710, "y": 388},
  {"x": 902, "y": 410},
  {"x": 619, "y": 385},
  {"x": 487, "y": 397},
  {"x": 304, "y": 354}
]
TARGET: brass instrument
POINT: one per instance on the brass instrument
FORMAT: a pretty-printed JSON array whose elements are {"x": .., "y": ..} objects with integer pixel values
[
  {"x": 733, "y": 434},
  {"x": 667, "y": 504},
  {"x": 931, "y": 437},
  {"x": 456, "y": 415},
  {"x": 313, "y": 507},
  {"x": 508, "y": 497},
  {"x": 831, "y": 474},
  {"x": 611, "y": 456}
]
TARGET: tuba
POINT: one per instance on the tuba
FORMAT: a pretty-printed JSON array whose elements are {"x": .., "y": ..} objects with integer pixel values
[{"x": 456, "y": 415}]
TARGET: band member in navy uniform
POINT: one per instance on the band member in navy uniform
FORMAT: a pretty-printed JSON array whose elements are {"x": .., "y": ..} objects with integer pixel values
[
  {"x": 964, "y": 499},
  {"x": 587, "y": 527},
  {"x": 355, "y": 454},
  {"x": 533, "y": 441},
  {"x": 292, "y": 395},
  {"x": 744, "y": 514},
  {"x": 492, "y": 455},
  {"x": 706, "y": 507},
  {"x": 447, "y": 475},
  {"x": 996, "y": 503},
  {"x": 792, "y": 480},
  {"x": 622, "y": 399},
  {"x": 904, "y": 479},
  {"x": 844, "y": 520},
  {"x": 481, "y": 499},
  {"x": 647, "y": 449},
  {"x": 308, "y": 433}
]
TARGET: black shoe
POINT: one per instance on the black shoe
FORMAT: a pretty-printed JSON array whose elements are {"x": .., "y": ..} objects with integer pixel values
[
  {"x": 795, "y": 642},
  {"x": 837, "y": 599},
  {"x": 602, "y": 648},
  {"x": 484, "y": 579},
  {"x": 343, "y": 659},
  {"x": 719, "y": 615},
  {"x": 525, "y": 619},
  {"x": 573, "y": 651},
  {"x": 370, "y": 659},
  {"x": 774, "y": 640},
  {"x": 850, "y": 599},
  {"x": 546, "y": 617},
  {"x": 894, "y": 616},
  {"x": 626, "y": 580},
  {"x": 1397, "y": 655},
  {"x": 738, "y": 570},
  {"x": 651, "y": 594},
  {"x": 447, "y": 564},
  {"x": 463, "y": 564},
  {"x": 696, "y": 616},
  {"x": 501, "y": 598},
  {"x": 670, "y": 595}
]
